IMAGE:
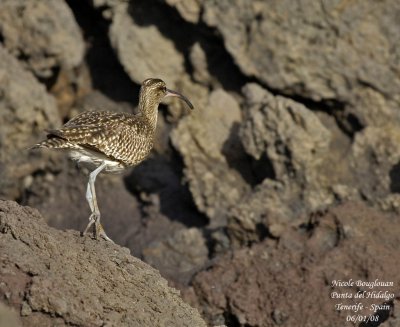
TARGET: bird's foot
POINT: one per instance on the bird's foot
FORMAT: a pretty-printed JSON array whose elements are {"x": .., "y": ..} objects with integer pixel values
[
  {"x": 94, "y": 217},
  {"x": 99, "y": 231},
  {"x": 98, "y": 228}
]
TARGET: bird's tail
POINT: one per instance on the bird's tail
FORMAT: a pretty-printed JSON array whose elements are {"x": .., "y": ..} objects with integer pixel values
[{"x": 53, "y": 143}]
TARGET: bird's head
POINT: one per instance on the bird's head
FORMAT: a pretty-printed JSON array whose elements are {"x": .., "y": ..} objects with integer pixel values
[{"x": 154, "y": 90}]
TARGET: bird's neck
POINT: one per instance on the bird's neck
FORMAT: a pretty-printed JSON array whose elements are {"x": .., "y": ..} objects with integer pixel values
[{"x": 148, "y": 110}]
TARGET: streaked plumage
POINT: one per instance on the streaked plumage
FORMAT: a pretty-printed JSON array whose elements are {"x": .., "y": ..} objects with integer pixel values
[
  {"x": 104, "y": 132},
  {"x": 109, "y": 141}
]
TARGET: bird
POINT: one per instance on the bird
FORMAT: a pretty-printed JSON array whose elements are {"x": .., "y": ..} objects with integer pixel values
[{"x": 110, "y": 142}]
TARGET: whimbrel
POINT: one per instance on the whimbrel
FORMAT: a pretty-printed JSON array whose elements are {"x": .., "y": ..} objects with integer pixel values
[{"x": 110, "y": 142}]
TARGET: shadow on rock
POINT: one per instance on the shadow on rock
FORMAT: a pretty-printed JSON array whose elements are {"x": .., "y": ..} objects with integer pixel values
[
  {"x": 162, "y": 178},
  {"x": 105, "y": 69},
  {"x": 253, "y": 171}
]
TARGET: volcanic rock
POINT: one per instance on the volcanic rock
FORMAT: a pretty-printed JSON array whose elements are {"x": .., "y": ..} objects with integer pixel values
[
  {"x": 26, "y": 109},
  {"x": 289, "y": 282},
  {"x": 60, "y": 278},
  {"x": 44, "y": 34}
]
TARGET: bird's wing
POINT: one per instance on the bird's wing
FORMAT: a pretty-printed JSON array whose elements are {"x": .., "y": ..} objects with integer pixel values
[
  {"x": 105, "y": 132},
  {"x": 95, "y": 118},
  {"x": 91, "y": 127},
  {"x": 81, "y": 134}
]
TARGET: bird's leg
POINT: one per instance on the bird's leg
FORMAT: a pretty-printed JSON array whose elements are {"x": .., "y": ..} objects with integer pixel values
[
  {"x": 89, "y": 198},
  {"x": 92, "y": 200}
]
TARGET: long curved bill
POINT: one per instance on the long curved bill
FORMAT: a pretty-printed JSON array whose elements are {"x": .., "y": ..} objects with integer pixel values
[{"x": 171, "y": 93}]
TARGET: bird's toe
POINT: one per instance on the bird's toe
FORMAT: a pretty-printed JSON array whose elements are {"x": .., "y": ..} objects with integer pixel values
[{"x": 100, "y": 232}]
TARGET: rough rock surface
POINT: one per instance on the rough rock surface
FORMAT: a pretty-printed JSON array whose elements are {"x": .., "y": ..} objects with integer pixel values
[
  {"x": 208, "y": 150},
  {"x": 136, "y": 42},
  {"x": 26, "y": 109},
  {"x": 184, "y": 253},
  {"x": 288, "y": 144},
  {"x": 375, "y": 153},
  {"x": 189, "y": 9},
  {"x": 289, "y": 282},
  {"x": 299, "y": 164},
  {"x": 291, "y": 137},
  {"x": 319, "y": 50},
  {"x": 8, "y": 317},
  {"x": 283, "y": 130},
  {"x": 56, "y": 277},
  {"x": 296, "y": 109},
  {"x": 330, "y": 168},
  {"x": 42, "y": 33}
]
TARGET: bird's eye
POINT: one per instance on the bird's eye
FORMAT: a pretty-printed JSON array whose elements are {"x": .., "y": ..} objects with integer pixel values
[{"x": 164, "y": 89}]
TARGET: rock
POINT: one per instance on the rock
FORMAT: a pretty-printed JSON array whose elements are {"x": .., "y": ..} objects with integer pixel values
[
  {"x": 26, "y": 109},
  {"x": 289, "y": 134},
  {"x": 8, "y": 317},
  {"x": 199, "y": 62},
  {"x": 198, "y": 94},
  {"x": 273, "y": 274},
  {"x": 276, "y": 230},
  {"x": 44, "y": 35},
  {"x": 390, "y": 203},
  {"x": 208, "y": 142},
  {"x": 67, "y": 279},
  {"x": 141, "y": 48},
  {"x": 70, "y": 87},
  {"x": 249, "y": 219},
  {"x": 161, "y": 178},
  {"x": 319, "y": 51},
  {"x": 375, "y": 153},
  {"x": 313, "y": 167},
  {"x": 179, "y": 256},
  {"x": 248, "y": 179},
  {"x": 291, "y": 145},
  {"x": 26, "y": 310},
  {"x": 300, "y": 165},
  {"x": 189, "y": 9}
]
